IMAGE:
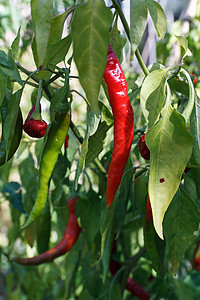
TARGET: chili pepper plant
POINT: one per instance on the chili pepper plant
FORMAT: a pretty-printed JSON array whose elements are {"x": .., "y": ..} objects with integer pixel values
[{"x": 99, "y": 162}]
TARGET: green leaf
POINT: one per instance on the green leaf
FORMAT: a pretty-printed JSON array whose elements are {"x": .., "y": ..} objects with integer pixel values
[
  {"x": 158, "y": 17},
  {"x": 118, "y": 43},
  {"x": 108, "y": 222},
  {"x": 90, "y": 35},
  {"x": 152, "y": 95},
  {"x": 107, "y": 250},
  {"x": 138, "y": 21},
  {"x": 153, "y": 245},
  {"x": 3, "y": 86},
  {"x": 9, "y": 67},
  {"x": 170, "y": 147},
  {"x": 125, "y": 186},
  {"x": 41, "y": 11},
  {"x": 57, "y": 52},
  {"x": 11, "y": 119},
  {"x": 195, "y": 129},
  {"x": 184, "y": 44},
  {"x": 15, "y": 45},
  {"x": 43, "y": 230},
  {"x": 191, "y": 97},
  {"x": 90, "y": 207},
  {"x": 5, "y": 61},
  {"x": 96, "y": 142},
  {"x": 81, "y": 163},
  {"x": 181, "y": 220},
  {"x": 184, "y": 291}
]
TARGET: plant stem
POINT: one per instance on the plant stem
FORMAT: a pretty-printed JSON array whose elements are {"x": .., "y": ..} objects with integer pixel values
[{"x": 127, "y": 30}]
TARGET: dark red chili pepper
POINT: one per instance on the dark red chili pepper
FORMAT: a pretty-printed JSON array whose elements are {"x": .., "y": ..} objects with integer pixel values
[
  {"x": 149, "y": 216},
  {"x": 70, "y": 237},
  {"x": 123, "y": 123},
  {"x": 33, "y": 127},
  {"x": 67, "y": 142},
  {"x": 196, "y": 257},
  {"x": 131, "y": 285},
  {"x": 143, "y": 149}
]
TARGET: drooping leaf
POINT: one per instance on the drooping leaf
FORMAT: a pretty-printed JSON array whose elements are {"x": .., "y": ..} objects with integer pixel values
[
  {"x": 43, "y": 230},
  {"x": 90, "y": 35},
  {"x": 170, "y": 147},
  {"x": 184, "y": 44},
  {"x": 181, "y": 220},
  {"x": 153, "y": 244},
  {"x": 9, "y": 67},
  {"x": 96, "y": 142},
  {"x": 11, "y": 119},
  {"x": 138, "y": 21},
  {"x": 3, "y": 86},
  {"x": 125, "y": 186},
  {"x": 158, "y": 17},
  {"x": 41, "y": 11},
  {"x": 15, "y": 45},
  {"x": 57, "y": 52},
  {"x": 90, "y": 207},
  {"x": 118, "y": 43},
  {"x": 195, "y": 129},
  {"x": 152, "y": 95},
  {"x": 81, "y": 163}
]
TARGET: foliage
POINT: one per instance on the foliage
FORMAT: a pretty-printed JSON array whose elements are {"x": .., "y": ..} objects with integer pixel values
[{"x": 68, "y": 43}]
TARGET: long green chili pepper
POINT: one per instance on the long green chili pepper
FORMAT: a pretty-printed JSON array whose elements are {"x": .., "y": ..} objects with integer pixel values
[
  {"x": 55, "y": 140},
  {"x": 16, "y": 138}
]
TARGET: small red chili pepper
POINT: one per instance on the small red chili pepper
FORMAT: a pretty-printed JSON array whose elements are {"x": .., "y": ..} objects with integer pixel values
[
  {"x": 143, "y": 149},
  {"x": 123, "y": 123},
  {"x": 70, "y": 237},
  {"x": 195, "y": 80},
  {"x": 33, "y": 127},
  {"x": 67, "y": 142},
  {"x": 196, "y": 257}
]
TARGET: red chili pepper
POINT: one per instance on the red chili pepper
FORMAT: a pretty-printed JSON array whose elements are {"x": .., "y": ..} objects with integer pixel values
[
  {"x": 196, "y": 257},
  {"x": 149, "y": 216},
  {"x": 67, "y": 142},
  {"x": 195, "y": 78},
  {"x": 123, "y": 123},
  {"x": 70, "y": 237},
  {"x": 143, "y": 149},
  {"x": 34, "y": 128}
]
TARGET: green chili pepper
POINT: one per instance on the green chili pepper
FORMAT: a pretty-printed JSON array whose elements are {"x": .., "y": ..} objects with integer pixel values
[
  {"x": 56, "y": 138},
  {"x": 16, "y": 138}
]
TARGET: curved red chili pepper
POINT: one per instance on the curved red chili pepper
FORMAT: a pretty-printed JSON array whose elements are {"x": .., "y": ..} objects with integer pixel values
[
  {"x": 34, "y": 128},
  {"x": 123, "y": 123},
  {"x": 70, "y": 237},
  {"x": 143, "y": 149}
]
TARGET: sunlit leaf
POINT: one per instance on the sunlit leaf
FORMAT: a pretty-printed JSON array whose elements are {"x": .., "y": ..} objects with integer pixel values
[
  {"x": 152, "y": 95},
  {"x": 90, "y": 35},
  {"x": 170, "y": 146},
  {"x": 138, "y": 21}
]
